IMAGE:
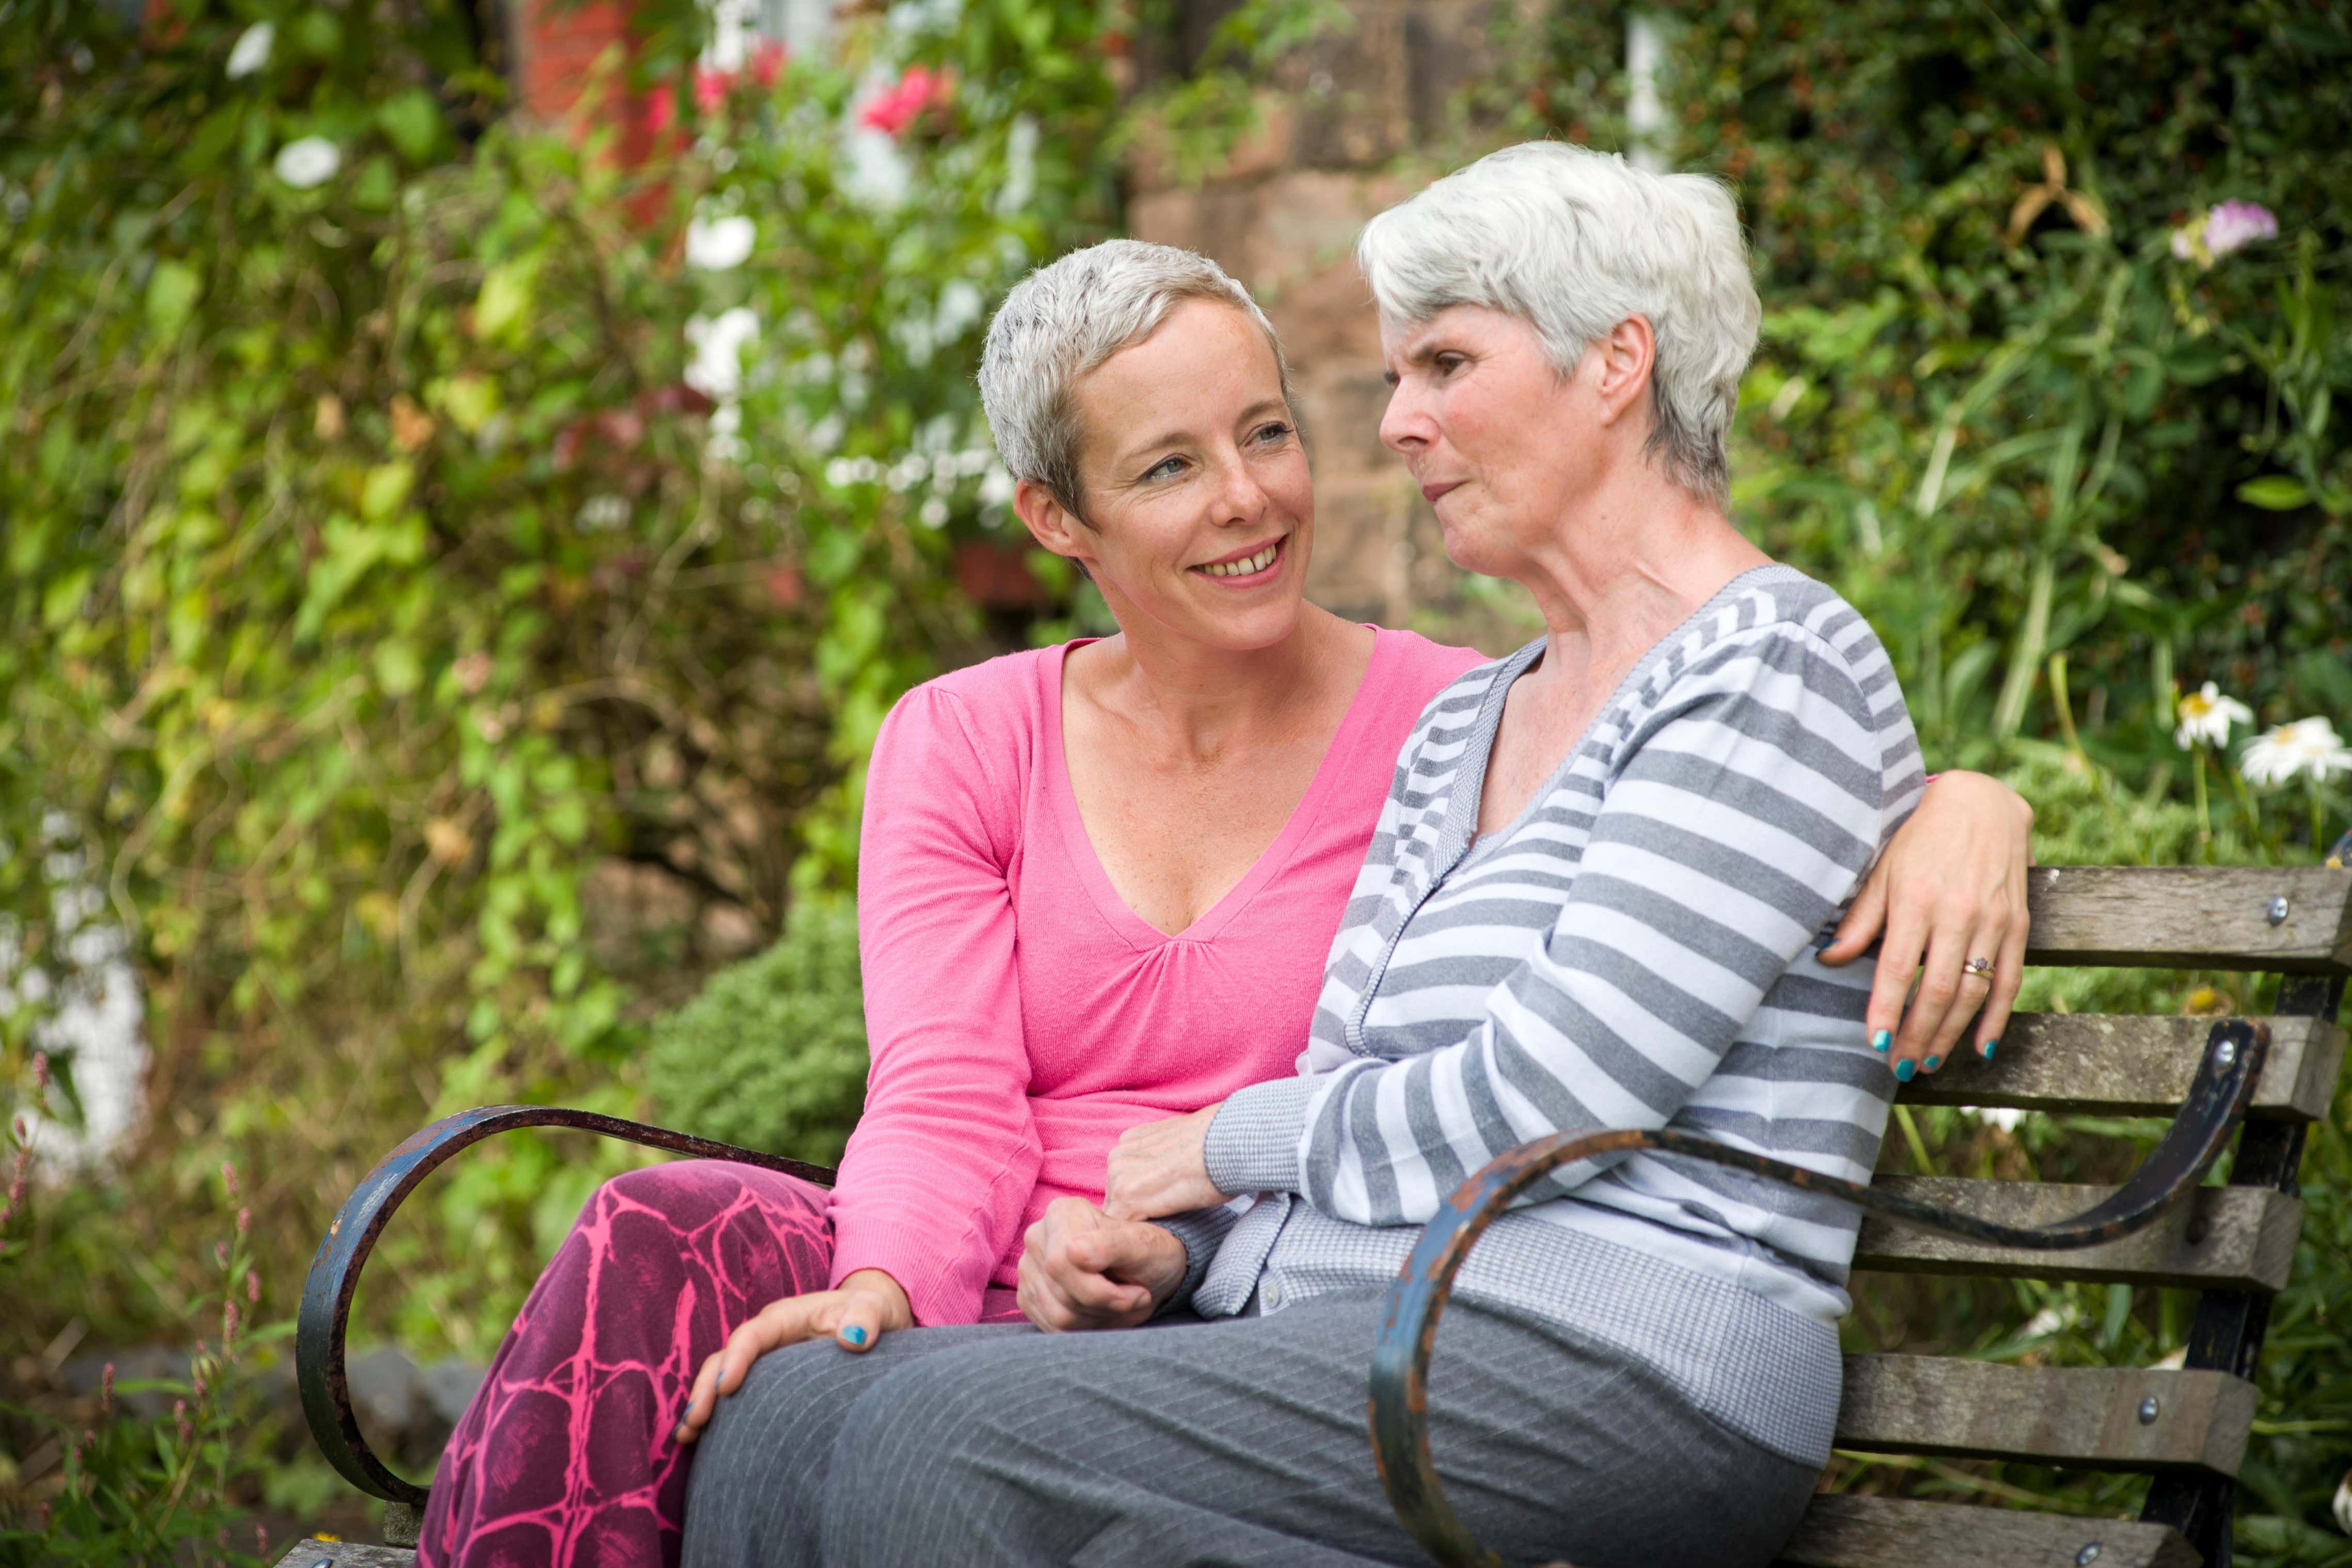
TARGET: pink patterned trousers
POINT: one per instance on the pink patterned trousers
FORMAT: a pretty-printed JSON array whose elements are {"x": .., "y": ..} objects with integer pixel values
[{"x": 565, "y": 1455}]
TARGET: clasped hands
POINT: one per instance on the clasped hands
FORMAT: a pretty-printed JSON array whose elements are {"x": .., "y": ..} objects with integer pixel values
[
  {"x": 1081, "y": 1267},
  {"x": 1109, "y": 1268}
]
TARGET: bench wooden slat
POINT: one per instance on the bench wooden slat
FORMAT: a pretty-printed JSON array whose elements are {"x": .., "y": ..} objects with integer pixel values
[
  {"x": 2114, "y": 1064},
  {"x": 2084, "y": 1416},
  {"x": 2222, "y": 1238},
  {"x": 2191, "y": 917},
  {"x": 1897, "y": 1532},
  {"x": 346, "y": 1554}
]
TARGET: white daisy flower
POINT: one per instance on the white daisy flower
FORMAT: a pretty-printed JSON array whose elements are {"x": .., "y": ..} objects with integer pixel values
[
  {"x": 2205, "y": 718},
  {"x": 2309, "y": 747}
]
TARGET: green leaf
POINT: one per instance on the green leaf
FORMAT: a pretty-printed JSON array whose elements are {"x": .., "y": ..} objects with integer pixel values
[
  {"x": 505, "y": 300},
  {"x": 398, "y": 670},
  {"x": 386, "y": 486},
  {"x": 413, "y": 122},
  {"x": 468, "y": 400},
  {"x": 172, "y": 292},
  {"x": 62, "y": 601},
  {"x": 2276, "y": 492}
]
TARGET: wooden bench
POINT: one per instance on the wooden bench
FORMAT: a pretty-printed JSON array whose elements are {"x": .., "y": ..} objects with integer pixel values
[{"x": 2257, "y": 1082}]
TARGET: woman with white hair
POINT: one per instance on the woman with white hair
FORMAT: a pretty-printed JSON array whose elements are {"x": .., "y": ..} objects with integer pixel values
[
  {"x": 1098, "y": 886},
  {"x": 1594, "y": 897}
]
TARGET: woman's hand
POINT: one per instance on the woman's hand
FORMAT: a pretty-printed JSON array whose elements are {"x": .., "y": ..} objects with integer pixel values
[
  {"x": 1949, "y": 890},
  {"x": 867, "y": 1304},
  {"x": 1080, "y": 1269},
  {"x": 1158, "y": 1168}
]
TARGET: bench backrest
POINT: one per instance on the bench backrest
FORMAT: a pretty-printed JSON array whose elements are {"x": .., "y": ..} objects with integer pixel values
[{"x": 2187, "y": 1427}]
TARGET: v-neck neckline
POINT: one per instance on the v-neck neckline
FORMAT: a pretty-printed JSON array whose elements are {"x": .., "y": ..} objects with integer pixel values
[
  {"x": 1459, "y": 841},
  {"x": 1138, "y": 931}
]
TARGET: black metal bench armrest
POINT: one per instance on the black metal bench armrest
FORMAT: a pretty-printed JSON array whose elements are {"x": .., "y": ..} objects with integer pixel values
[
  {"x": 335, "y": 1272},
  {"x": 1400, "y": 1404}
]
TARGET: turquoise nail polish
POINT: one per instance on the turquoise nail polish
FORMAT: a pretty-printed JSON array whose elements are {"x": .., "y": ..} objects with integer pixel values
[
  {"x": 1905, "y": 1069},
  {"x": 1989, "y": 1045},
  {"x": 1932, "y": 1063},
  {"x": 854, "y": 1333},
  {"x": 1881, "y": 1040}
]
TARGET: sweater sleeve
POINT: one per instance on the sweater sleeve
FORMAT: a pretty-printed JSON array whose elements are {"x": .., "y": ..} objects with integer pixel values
[
  {"x": 1744, "y": 811},
  {"x": 937, "y": 1173}
]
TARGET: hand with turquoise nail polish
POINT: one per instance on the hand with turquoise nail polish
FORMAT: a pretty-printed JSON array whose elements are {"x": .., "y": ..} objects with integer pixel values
[
  {"x": 1948, "y": 890},
  {"x": 866, "y": 1305}
]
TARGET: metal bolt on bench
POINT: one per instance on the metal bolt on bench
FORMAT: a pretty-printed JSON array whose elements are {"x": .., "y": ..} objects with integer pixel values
[{"x": 2261, "y": 1081}]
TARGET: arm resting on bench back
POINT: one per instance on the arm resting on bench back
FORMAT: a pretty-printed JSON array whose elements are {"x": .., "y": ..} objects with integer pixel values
[
  {"x": 1400, "y": 1404},
  {"x": 335, "y": 1272}
]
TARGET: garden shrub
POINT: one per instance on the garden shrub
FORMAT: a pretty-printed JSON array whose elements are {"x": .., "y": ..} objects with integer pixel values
[{"x": 771, "y": 1053}]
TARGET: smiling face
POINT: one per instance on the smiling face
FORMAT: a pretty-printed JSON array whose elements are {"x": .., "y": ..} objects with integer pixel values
[
  {"x": 1501, "y": 444},
  {"x": 1200, "y": 509}
]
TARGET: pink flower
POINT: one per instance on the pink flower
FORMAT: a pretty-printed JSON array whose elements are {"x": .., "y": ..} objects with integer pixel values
[
  {"x": 661, "y": 109},
  {"x": 896, "y": 107},
  {"x": 2233, "y": 225},
  {"x": 40, "y": 1070},
  {"x": 228, "y": 1177},
  {"x": 710, "y": 89},
  {"x": 106, "y": 1390},
  {"x": 768, "y": 59},
  {"x": 2222, "y": 230}
]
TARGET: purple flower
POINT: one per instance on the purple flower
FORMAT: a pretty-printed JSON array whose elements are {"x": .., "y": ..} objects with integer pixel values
[{"x": 2233, "y": 225}]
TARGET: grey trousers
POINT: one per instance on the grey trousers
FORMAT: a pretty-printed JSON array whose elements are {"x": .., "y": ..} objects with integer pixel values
[{"x": 1230, "y": 1443}]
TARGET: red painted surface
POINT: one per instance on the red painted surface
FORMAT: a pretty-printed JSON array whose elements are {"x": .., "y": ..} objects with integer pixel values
[{"x": 571, "y": 65}]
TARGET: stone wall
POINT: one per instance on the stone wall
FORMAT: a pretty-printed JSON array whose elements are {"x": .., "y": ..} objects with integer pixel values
[{"x": 1361, "y": 120}]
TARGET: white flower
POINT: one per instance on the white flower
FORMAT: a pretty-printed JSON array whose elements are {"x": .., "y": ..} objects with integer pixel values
[
  {"x": 252, "y": 51},
  {"x": 996, "y": 487},
  {"x": 717, "y": 244},
  {"x": 310, "y": 161},
  {"x": 2343, "y": 1504},
  {"x": 717, "y": 371},
  {"x": 2307, "y": 747},
  {"x": 2206, "y": 716}
]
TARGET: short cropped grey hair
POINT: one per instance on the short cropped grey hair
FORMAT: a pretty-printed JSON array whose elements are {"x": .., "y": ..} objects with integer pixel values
[
  {"x": 1572, "y": 242},
  {"x": 1068, "y": 316}
]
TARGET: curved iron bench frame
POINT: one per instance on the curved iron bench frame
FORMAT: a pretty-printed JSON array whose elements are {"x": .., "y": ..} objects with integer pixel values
[
  {"x": 1399, "y": 1384},
  {"x": 335, "y": 1275}
]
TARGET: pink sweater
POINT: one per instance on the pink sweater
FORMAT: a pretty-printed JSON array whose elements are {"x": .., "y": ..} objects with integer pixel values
[{"x": 1021, "y": 1016}]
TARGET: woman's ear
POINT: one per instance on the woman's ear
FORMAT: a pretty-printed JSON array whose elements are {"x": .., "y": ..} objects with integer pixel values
[
  {"x": 1627, "y": 356},
  {"x": 1049, "y": 523}
]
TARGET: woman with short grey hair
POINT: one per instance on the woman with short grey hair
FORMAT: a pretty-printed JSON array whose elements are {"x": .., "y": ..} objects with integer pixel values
[{"x": 1595, "y": 894}]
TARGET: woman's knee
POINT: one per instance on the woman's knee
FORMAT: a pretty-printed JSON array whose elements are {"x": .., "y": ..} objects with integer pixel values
[{"x": 905, "y": 1469}]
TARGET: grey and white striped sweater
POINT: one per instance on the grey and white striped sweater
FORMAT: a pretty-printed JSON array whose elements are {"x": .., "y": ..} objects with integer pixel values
[{"x": 1636, "y": 950}]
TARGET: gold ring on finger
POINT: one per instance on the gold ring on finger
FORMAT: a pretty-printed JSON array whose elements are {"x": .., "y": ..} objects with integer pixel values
[{"x": 1979, "y": 966}]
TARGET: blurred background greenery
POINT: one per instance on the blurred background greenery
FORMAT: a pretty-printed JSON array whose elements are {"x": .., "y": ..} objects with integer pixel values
[{"x": 456, "y": 562}]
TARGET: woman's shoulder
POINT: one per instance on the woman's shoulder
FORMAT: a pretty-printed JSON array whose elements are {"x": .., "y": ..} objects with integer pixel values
[
  {"x": 988, "y": 716},
  {"x": 1780, "y": 607}
]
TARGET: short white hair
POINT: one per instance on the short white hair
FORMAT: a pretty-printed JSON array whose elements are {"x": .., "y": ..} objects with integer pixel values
[
  {"x": 1068, "y": 316},
  {"x": 1572, "y": 242}
]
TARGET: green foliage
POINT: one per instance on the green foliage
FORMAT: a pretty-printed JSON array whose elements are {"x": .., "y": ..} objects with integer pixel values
[
  {"x": 157, "y": 1489},
  {"x": 1992, "y": 406},
  {"x": 771, "y": 1053},
  {"x": 375, "y": 573}
]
